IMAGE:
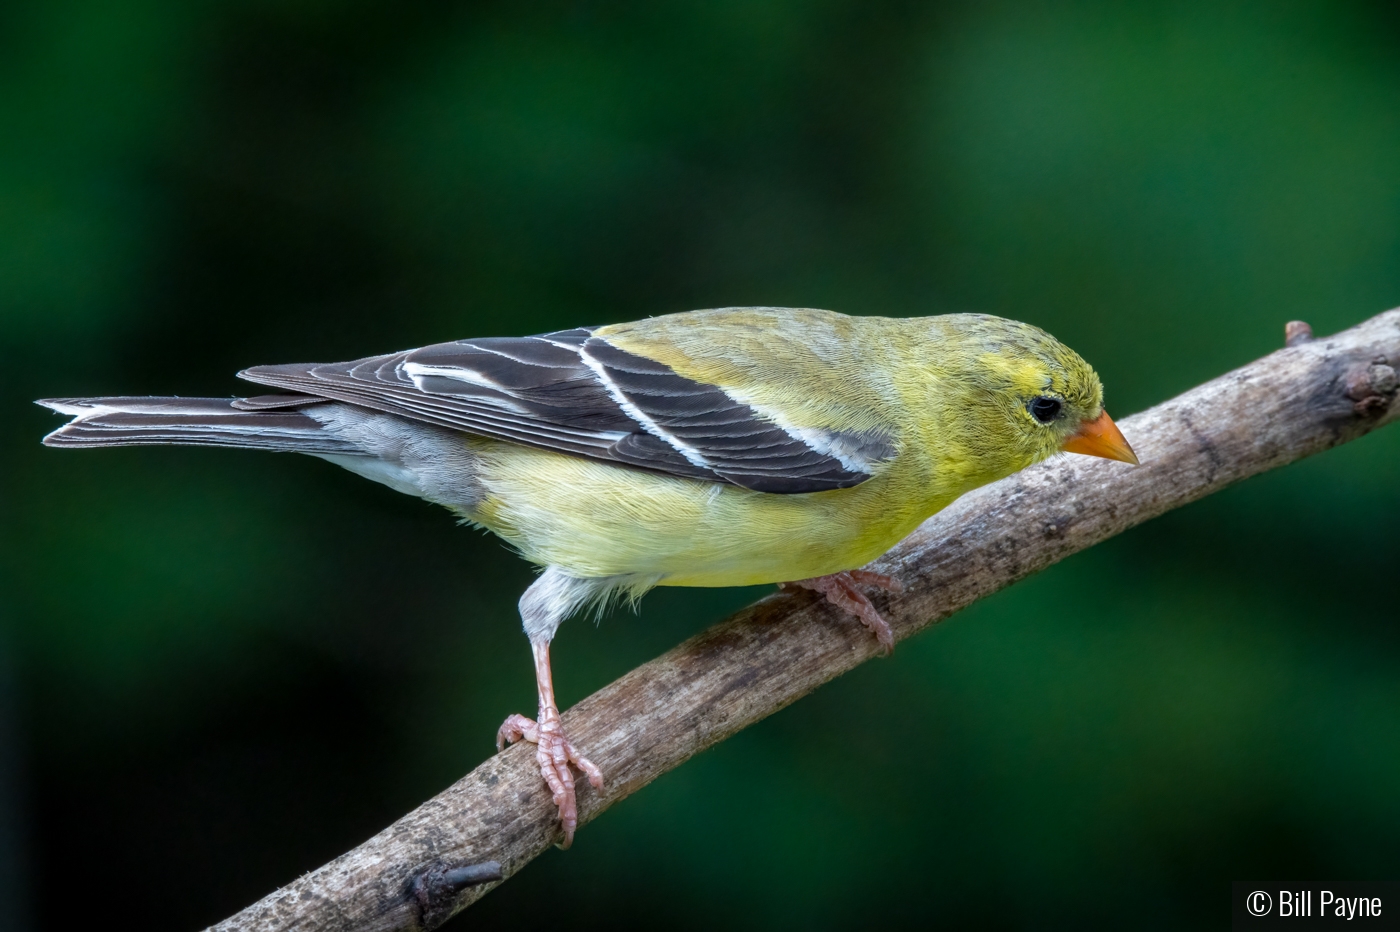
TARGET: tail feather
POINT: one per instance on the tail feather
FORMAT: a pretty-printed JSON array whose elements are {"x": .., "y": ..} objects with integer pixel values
[{"x": 127, "y": 421}]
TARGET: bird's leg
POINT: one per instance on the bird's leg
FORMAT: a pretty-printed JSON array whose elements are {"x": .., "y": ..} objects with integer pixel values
[
  {"x": 840, "y": 590},
  {"x": 553, "y": 751}
]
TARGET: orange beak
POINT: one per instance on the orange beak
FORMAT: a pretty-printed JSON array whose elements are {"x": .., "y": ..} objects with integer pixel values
[{"x": 1101, "y": 437}]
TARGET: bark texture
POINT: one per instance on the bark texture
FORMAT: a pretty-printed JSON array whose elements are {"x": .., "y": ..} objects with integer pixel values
[{"x": 418, "y": 872}]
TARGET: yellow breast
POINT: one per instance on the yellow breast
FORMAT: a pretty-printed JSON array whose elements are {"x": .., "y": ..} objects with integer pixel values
[{"x": 594, "y": 519}]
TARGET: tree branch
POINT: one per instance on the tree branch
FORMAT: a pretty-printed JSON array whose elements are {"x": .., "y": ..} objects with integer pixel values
[{"x": 418, "y": 872}]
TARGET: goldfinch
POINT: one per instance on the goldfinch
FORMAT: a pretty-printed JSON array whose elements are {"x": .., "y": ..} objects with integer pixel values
[{"x": 726, "y": 447}]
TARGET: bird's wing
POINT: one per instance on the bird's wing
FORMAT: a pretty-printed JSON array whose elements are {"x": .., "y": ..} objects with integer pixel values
[{"x": 578, "y": 393}]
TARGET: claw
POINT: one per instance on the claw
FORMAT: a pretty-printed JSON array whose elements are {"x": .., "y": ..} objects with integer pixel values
[
  {"x": 555, "y": 755},
  {"x": 513, "y": 729},
  {"x": 840, "y": 590}
]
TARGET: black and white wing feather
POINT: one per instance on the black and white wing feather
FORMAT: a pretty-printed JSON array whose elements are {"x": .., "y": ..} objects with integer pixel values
[{"x": 576, "y": 393}]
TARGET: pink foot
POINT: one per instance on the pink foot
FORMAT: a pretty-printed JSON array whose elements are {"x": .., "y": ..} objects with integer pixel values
[
  {"x": 840, "y": 590},
  {"x": 555, "y": 754}
]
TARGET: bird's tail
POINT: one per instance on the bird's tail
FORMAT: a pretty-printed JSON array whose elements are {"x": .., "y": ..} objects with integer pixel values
[{"x": 268, "y": 422}]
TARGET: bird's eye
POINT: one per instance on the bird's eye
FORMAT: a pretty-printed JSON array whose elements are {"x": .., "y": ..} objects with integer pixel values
[{"x": 1045, "y": 409}]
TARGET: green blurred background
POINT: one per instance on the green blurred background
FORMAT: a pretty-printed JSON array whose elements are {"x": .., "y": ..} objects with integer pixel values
[{"x": 220, "y": 669}]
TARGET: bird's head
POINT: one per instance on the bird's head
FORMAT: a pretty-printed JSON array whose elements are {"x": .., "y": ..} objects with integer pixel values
[{"x": 1036, "y": 396}]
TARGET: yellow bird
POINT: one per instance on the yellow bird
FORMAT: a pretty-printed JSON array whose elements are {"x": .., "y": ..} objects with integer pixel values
[{"x": 726, "y": 447}]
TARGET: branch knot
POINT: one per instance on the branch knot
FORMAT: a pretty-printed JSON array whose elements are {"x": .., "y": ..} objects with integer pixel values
[
  {"x": 1372, "y": 388},
  {"x": 435, "y": 888},
  {"x": 1297, "y": 332}
]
